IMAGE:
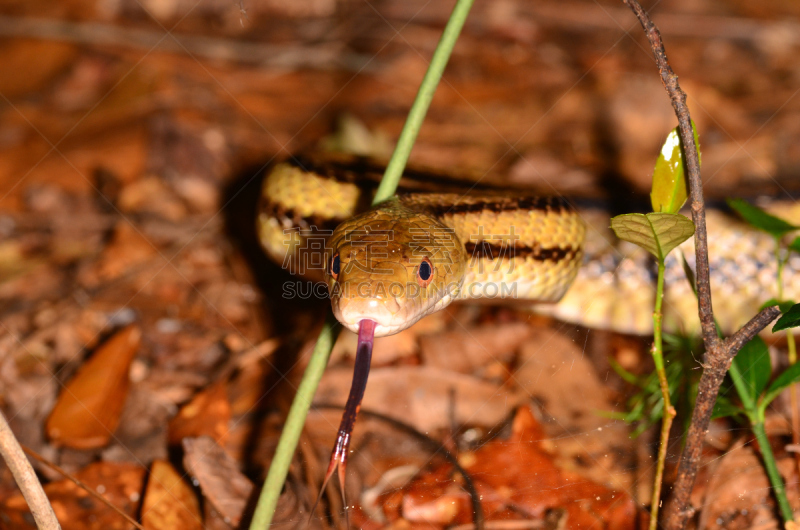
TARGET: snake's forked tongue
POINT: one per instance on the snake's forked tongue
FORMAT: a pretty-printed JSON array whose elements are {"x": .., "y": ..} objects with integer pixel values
[{"x": 366, "y": 332}]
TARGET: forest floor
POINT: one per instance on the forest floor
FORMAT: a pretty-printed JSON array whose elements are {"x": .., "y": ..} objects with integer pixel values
[{"x": 145, "y": 343}]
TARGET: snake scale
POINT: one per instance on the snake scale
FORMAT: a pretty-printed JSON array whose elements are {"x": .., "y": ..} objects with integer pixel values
[
  {"x": 417, "y": 252},
  {"x": 511, "y": 246},
  {"x": 439, "y": 240}
]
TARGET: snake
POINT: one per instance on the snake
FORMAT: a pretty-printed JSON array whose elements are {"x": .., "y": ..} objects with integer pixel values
[
  {"x": 563, "y": 258},
  {"x": 440, "y": 239},
  {"x": 416, "y": 253}
]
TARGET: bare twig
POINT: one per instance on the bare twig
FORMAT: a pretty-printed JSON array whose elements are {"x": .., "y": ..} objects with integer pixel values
[
  {"x": 590, "y": 17},
  {"x": 719, "y": 353},
  {"x": 26, "y": 479},
  {"x": 324, "y": 56},
  {"x": 678, "y": 97}
]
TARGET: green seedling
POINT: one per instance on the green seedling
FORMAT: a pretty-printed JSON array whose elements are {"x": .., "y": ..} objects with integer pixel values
[{"x": 660, "y": 232}]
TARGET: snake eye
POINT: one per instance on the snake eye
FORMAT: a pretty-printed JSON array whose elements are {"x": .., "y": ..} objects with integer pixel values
[
  {"x": 425, "y": 272},
  {"x": 335, "y": 265}
]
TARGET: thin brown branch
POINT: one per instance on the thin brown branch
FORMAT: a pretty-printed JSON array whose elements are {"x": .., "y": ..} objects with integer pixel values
[
  {"x": 26, "y": 479},
  {"x": 323, "y": 57},
  {"x": 735, "y": 342},
  {"x": 678, "y": 97},
  {"x": 718, "y": 361},
  {"x": 590, "y": 17},
  {"x": 719, "y": 353}
]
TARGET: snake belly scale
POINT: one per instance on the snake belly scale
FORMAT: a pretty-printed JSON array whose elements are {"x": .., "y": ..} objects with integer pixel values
[{"x": 415, "y": 253}]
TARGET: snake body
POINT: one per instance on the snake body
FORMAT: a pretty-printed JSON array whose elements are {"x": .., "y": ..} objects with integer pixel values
[
  {"x": 484, "y": 243},
  {"x": 415, "y": 253},
  {"x": 388, "y": 266}
]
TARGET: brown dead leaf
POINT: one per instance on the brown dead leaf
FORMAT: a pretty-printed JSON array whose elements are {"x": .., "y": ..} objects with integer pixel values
[
  {"x": 422, "y": 396},
  {"x": 738, "y": 495},
  {"x": 88, "y": 409},
  {"x": 221, "y": 482},
  {"x": 207, "y": 414},
  {"x": 554, "y": 372},
  {"x": 150, "y": 195},
  {"x": 40, "y": 60},
  {"x": 463, "y": 351},
  {"x": 76, "y": 509},
  {"x": 511, "y": 476},
  {"x": 128, "y": 248},
  {"x": 169, "y": 503}
]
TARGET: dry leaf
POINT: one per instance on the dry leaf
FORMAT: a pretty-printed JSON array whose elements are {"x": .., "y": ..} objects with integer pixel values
[
  {"x": 555, "y": 373},
  {"x": 512, "y": 477},
  {"x": 88, "y": 409},
  {"x": 225, "y": 487},
  {"x": 423, "y": 397},
  {"x": 76, "y": 509},
  {"x": 738, "y": 495},
  {"x": 464, "y": 350},
  {"x": 169, "y": 502},
  {"x": 207, "y": 414}
]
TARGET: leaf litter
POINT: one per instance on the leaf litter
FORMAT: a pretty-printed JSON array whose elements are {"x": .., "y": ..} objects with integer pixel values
[{"x": 141, "y": 219}]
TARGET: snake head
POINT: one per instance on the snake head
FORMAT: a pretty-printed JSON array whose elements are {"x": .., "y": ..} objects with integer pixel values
[{"x": 392, "y": 265}]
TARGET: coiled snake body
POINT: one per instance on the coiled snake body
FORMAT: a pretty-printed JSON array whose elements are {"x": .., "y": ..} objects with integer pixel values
[
  {"x": 412, "y": 255},
  {"x": 482, "y": 243}
]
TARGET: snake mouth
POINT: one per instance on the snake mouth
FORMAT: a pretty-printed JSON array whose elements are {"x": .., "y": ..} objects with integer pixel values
[{"x": 351, "y": 312}]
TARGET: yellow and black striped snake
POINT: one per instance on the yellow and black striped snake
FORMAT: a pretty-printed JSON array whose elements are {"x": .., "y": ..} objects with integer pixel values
[
  {"x": 439, "y": 240},
  {"x": 442, "y": 240}
]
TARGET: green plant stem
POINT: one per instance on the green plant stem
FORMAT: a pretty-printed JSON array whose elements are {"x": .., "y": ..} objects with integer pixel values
[
  {"x": 669, "y": 410},
  {"x": 795, "y": 420},
  {"x": 394, "y": 170},
  {"x": 276, "y": 476},
  {"x": 793, "y": 396},
  {"x": 268, "y": 499},
  {"x": 755, "y": 413},
  {"x": 748, "y": 403},
  {"x": 781, "y": 263},
  {"x": 772, "y": 471}
]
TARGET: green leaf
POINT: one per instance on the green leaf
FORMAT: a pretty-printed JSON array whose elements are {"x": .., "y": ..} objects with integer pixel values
[
  {"x": 658, "y": 233},
  {"x": 755, "y": 366},
  {"x": 790, "y": 319},
  {"x": 724, "y": 408},
  {"x": 627, "y": 376},
  {"x": 794, "y": 246},
  {"x": 668, "y": 193},
  {"x": 687, "y": 270},
  {"x": 758, "y": 218},
  {"x": 679, "y": 342},
  {"x": 784, "y": 306},
  {"x": 791, "y": 375}
]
